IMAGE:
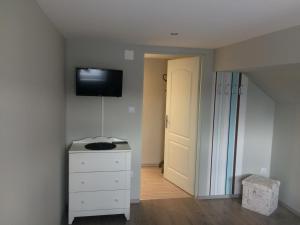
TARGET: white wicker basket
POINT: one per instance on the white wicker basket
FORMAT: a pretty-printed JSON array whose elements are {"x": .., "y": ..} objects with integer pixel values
[{"x": 260, "y": 194}]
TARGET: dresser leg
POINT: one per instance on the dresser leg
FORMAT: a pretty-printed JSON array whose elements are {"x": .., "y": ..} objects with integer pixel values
[
  {"x": 71, "y": 219},
  {"x": 127, "y": 214}
]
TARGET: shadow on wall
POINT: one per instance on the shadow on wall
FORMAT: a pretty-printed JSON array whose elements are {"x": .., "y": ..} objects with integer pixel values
[{"x": 238, "y": 183}]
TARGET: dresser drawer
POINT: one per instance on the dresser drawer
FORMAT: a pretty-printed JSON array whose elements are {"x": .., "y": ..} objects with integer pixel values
[
  {"x": 97, "y": 181},
  {"x": 99, "y": 200},
  {"x": 92, "y": 162}
]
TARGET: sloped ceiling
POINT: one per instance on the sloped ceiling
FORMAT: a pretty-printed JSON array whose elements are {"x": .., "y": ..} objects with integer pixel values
[
  {"x": 282, "y": 83},
  {"x": 200, "y": 23}
]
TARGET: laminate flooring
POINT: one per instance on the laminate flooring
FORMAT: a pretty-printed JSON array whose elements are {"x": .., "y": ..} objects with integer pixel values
[
  {"x": 155, "y": 186},
  {"x": 188, "y": 211}
]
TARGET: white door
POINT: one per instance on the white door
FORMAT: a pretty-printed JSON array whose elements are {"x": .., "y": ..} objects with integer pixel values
[{"x": 181, "y": 122}]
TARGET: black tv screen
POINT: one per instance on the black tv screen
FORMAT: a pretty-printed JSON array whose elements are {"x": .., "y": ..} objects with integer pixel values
[{"x": 99, "y": 82}]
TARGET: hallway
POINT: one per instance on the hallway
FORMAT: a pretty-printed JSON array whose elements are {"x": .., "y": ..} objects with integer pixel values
[{"x": 155, "y": 186}]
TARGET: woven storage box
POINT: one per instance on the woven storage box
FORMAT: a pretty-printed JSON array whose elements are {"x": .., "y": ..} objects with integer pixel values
[{"x": 260, "y": 194}]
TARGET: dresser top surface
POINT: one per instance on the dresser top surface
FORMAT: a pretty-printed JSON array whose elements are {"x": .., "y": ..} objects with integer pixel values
[{"x": 79, "y": 145}]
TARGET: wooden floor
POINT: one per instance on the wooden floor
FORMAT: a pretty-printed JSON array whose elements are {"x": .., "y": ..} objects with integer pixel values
[
  {"x": 154, "y": 186},
  {"x": 187, "y": 211}
]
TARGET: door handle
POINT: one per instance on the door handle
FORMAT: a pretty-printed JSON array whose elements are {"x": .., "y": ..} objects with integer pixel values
[{"x": 166, "y": 121}]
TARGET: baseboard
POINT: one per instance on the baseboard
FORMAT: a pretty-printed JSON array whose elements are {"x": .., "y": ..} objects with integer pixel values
[
  {"x": 211, "y": 197},
  {"x": 281, "y": 203},
  {"x": 134, "y": 201},
  {"x": 150, "y": 165},
  {"x": 64, "y": 216},
  {"x": 64, "y": 219},
  {"x": 294, "y": 211}
]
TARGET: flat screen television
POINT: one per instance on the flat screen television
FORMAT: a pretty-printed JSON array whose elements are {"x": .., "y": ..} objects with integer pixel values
[{"x": 99, "y": 82}]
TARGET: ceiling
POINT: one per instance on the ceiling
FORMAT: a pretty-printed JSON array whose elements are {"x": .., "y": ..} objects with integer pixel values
[
  {"x": 200, "y": 23},
  {"x": 282, "y": 83}
]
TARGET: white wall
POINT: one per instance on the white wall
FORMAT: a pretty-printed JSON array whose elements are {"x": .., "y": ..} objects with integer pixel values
[
  {"x": 258, "y": 131},
  {"x": 286, "y": 153},
  {"x": 84, "y": 113},
  {"x": 154, "y": 105},
  {"x": 31, "y": 116}
]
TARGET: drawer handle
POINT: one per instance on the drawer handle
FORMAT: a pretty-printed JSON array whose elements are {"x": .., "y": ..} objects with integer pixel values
[
  {"x": 116, "y": 200},
  {"x": 82, "y": 163},
  {"x": 82, "y": 182},
  {"x": 82, "y": 202},
  {"x": 117, "y": 161},
  {"x": 116, "y": 180}
]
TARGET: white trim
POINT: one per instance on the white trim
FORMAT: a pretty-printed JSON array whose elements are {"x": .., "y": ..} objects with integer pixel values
[
  {"x": 135, "y": 201},
  {"x": 198, "y": 135},
  {"x": 212, "y": 197},
  {"x": 294, "y": 211},
  {"x": 202, "y": 58}
]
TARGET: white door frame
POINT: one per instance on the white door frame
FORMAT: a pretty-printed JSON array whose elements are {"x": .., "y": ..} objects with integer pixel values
[{"x": 198, "y": 149}]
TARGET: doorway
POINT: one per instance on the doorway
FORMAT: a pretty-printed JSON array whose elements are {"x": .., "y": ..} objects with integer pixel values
[{"x": 170, "y": 118}]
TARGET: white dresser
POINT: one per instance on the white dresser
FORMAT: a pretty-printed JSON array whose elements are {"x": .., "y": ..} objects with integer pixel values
[{"x": 99, "y": 180}]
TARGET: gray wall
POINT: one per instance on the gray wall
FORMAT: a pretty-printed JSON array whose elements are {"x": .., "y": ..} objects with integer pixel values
[
  {"x": 286, "y": 153},
  {"x": 83, "y": 114},
  {"x": 281, "y": 47},
  {"x": 258, "y": 131},
  {"x": 31, "y": 116},
  {"x": 282, "y": 83}
]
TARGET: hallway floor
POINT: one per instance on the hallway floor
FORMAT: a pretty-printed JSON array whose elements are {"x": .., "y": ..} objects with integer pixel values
[
  {"x": 155, "y": 186},
  {"x": 188, "y": 211}
]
